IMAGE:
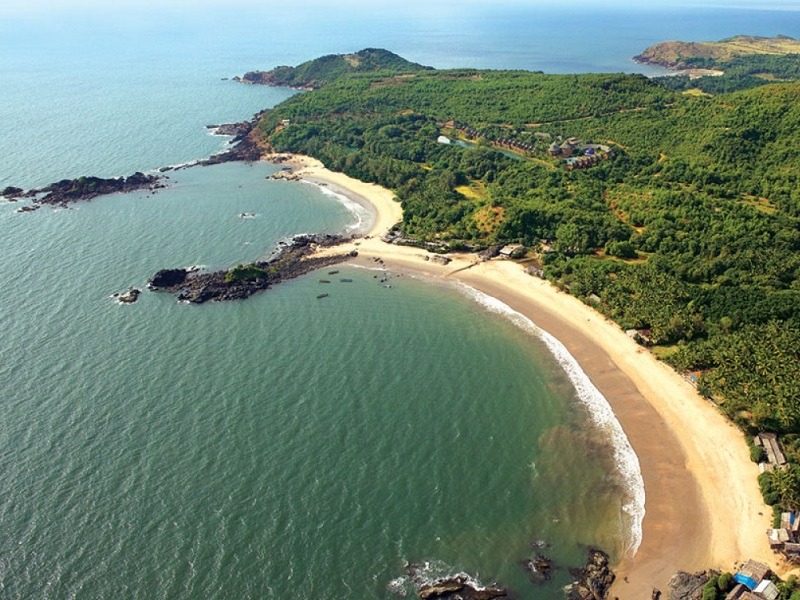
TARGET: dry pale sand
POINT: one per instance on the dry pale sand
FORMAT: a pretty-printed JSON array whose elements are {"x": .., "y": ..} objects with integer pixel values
[{"x": 703, "y": 506}]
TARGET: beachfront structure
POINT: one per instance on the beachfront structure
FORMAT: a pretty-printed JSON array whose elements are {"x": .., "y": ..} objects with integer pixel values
[
  {"x": 767, "y": 590},
  {"x": 751, "y": 574},
  {"x": 512, "y": 251},
  {"x": 786, "y": 538},
  {"x": 776, "y": 459}
]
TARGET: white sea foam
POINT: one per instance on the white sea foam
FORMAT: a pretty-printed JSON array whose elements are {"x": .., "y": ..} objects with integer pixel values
[
  {"x": 362, "y": 214},
  {"x": 600, "y": 410}
]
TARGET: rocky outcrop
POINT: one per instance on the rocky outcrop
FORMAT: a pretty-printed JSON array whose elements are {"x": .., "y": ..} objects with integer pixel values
[
  {"x": 460, "y": 588},
  {"x": 129, "y": 297},
  {"x": 594, "y": 580},
  {"x": 243, "y": 146},
  {"x": 231, "y": 129},
  {"x": 290, "y": 261},
  {"x": 66, "y": 191},
  {"x": 11, "y": 192},
  {"x": 688, "y": 586},
  {"x": 450, "y": 587},
  {"x": 167, "y": 278},
  {"x": 539, "y": 568}
]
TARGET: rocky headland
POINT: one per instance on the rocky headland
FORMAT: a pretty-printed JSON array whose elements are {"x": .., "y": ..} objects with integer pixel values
[
  {"x": 314, "y": 74},
  {"x": 67, "y": 191},
  {"x": 681, "y": 56},
  {"x": 290, "y": 261}
]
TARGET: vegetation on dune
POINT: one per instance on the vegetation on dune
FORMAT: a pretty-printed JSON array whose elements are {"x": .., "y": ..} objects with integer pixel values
[{"x": 691, "y": 231}]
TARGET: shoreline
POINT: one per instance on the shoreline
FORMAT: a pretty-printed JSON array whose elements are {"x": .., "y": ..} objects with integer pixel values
[{"x": 703, "y": 506}]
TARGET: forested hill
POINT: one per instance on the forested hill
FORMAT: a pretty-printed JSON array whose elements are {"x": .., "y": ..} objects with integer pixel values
[
  {"x": 314, "y": 74},
  {"x": 688, "y": 55},
  {"x": 737, "y": 63},
  {"x": 670, "y": 213}
]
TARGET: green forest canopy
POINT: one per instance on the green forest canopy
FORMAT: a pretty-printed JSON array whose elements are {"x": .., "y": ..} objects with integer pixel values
[{"x": 691, "y": 230}]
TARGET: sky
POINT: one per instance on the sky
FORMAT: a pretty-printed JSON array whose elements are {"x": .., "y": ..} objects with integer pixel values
[{"x": 34, "y": 7}]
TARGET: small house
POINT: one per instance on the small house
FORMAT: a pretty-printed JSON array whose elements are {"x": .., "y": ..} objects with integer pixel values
[
  {"x": 554, "y": 150},
  {"x": 766, "y": 589},
  {"x": 567, "y": 149},
  {"x": 751, "y": 574},
  {"x": 640, "y": 336},
  {"x": 512, "y": 251},
  {"x": 769, "y": 441},
  {"x": 737, "y": 592},
  {"x": 778, "y": 538}
]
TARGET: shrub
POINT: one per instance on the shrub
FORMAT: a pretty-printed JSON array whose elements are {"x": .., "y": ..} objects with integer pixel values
[
  {"x": 710, "y": 593},
  {"x": 244, "y": 273},
  {"x": 725, "y": 582},
  {"x": 756, "y": 454}
]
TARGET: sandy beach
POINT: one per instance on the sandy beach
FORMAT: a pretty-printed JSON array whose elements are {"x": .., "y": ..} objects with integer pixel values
[{"x": 703, "y": 506}]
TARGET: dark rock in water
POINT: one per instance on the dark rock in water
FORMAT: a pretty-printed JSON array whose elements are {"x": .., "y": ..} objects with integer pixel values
[
  {"x": 231, "y": 129},
  {"x": 29, "y": 208},
  {"x": 244, "y": 147},
  {"x": 65, "y": 191},
  {"x": 166, "y": 278},
  {"x": 539, "y": 568},
  {"x": 12, "y": 192},
  {"x": 129, "y": 297},
  {"x": 594, "y": 579},
  {"x": 455, "y": 587},
  {"x": 688, "y": 586},
  {"x": 459, "y": 588}
]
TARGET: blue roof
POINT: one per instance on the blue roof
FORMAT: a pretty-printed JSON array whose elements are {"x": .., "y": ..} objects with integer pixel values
[{"x": 745, "y": 580}]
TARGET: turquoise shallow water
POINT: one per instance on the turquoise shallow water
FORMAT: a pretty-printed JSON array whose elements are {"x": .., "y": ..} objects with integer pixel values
[{"x": 284, "y": 446}]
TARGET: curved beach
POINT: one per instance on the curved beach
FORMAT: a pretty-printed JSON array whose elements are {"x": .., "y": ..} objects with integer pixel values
[{"x": 703, "y": 507}]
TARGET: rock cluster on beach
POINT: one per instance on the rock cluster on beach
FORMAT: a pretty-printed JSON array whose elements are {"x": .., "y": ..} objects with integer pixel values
[
  {"x": 688, "y": 586},
  {"x": 594, "y": 580},
  {"x": 290, "y": 261}
]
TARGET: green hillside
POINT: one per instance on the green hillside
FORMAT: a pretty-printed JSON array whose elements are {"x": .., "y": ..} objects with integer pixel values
[
  {"x": 316, "y": 73},
  {"x": 688, "y": 225}
]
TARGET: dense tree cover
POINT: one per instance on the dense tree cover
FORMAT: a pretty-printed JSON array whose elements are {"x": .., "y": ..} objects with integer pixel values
[
  {"x": 740, "y": 73},
  {"x": 321, "y": 71},
  {"x": 692, "y": 230}
]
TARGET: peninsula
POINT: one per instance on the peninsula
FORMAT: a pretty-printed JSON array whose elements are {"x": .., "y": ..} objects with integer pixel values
[{"x": 737, "y": 63}]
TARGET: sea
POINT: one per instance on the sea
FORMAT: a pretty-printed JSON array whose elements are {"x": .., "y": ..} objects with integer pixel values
[{"x": 285, "y": 446}]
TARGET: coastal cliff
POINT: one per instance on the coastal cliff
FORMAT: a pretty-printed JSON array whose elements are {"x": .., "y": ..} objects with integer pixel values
[{"x": 677, "y": 55}]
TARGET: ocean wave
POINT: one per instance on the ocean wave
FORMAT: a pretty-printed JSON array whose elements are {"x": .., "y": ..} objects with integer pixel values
[
  {"x": 361, "y": 214},
  {"x": 600, "y": 410},
  {"x": 429, "y": 572}
]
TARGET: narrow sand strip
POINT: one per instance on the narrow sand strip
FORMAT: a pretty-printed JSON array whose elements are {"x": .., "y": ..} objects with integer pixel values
[{"x": 703, "y": 506}]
